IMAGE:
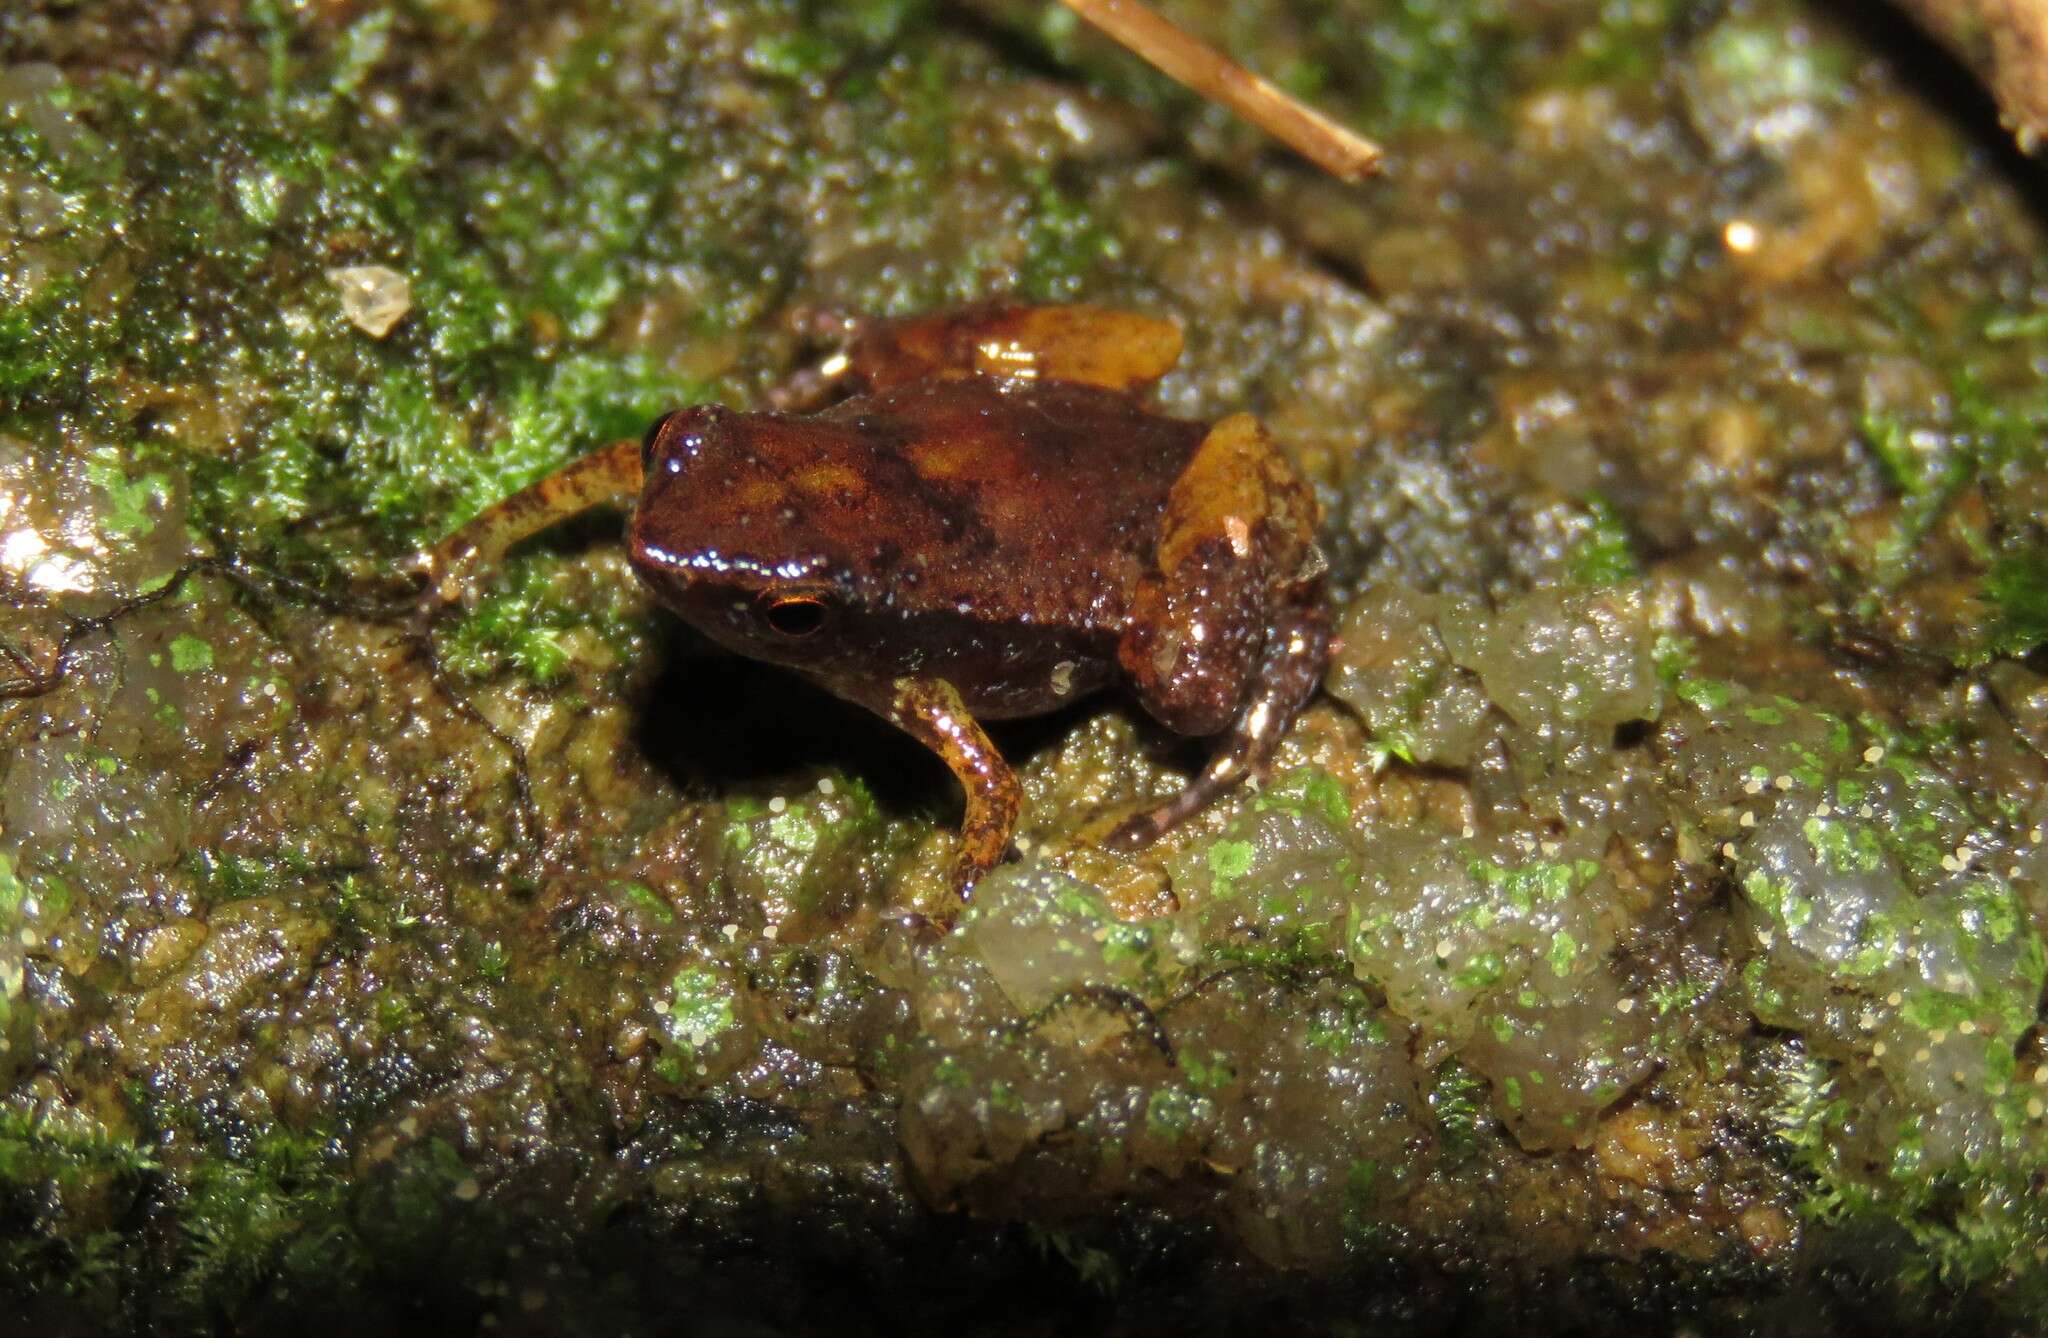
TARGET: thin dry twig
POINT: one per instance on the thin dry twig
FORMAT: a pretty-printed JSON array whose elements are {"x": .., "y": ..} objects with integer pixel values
[{"x": 1337, "y": 150}]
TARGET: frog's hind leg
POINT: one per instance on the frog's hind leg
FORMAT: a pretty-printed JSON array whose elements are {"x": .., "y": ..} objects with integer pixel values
[
  {"x": 611, "y": 474},
  {"x": 1094, "y": 346},
  {"x": 1296, "y": 651},
  {"x": 1232, "y": 630}
]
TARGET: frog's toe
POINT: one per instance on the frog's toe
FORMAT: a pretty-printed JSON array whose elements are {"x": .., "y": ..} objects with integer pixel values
[
  {"x": 1140, "y": 830},
  {"x": 1134, "y": 833},
  {"x": 808, "y": 321},
  {"x": 416, "y": 572},
  {"x": 438, "y": 577},
  {"x": 925, "y": 930}
]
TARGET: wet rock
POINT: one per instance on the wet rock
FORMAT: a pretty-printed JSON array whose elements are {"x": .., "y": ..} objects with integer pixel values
[
  {"x": 254, "y": 947},
  {"x": 1042, "y": 934},
  {"x": 1395, "y": 671},
  {"x": 1562, "y": 660},
  {"x": 1763, "y": 85}
]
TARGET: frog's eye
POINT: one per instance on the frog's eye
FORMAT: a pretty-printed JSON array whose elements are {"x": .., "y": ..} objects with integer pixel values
[
  {"x": 795, "y": 614},
  {"x": 653, "y": 435}
]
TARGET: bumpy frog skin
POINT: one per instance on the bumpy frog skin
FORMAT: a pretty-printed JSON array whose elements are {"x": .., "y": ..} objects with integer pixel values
[{"x": 992, "y": 525}]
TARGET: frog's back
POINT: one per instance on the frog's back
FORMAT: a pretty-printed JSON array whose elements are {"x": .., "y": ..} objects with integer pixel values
[{"x": 1032, "y": 502}]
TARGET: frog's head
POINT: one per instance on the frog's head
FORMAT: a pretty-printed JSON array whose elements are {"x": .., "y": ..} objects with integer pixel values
[{"x": 732, "y": 534}]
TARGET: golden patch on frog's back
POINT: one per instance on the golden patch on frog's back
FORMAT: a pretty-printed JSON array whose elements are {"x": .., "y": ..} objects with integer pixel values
[
  {"x": 944, "y": 459},
  {"x": 834, "y": 480}
]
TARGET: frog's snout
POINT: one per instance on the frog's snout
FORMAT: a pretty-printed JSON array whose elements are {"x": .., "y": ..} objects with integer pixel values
[{"x": 678, "y": 437}]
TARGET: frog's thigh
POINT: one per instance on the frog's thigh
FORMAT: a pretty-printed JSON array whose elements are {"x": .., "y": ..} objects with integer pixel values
[
  {"x": 1191, "y": 646},
  {"x": 930, "y": 710},
  {"x": 1232, "y": 629},
  {"x": 612, "y": 474},
  {"x": 1096, "y": 346},
  {"x": 1238, "y": 528}
]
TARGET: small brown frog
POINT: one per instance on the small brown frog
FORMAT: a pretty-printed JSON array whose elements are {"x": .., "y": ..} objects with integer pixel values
[{"x": 992, "y": 525}]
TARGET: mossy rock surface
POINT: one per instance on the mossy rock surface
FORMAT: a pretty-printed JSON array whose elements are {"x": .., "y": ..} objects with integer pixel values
[{"x": 1643, "y": 933}]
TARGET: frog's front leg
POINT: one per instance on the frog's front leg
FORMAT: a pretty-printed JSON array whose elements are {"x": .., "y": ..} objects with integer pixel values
[
  {"x": 1095, "y": 346},
  {"x": 930, "y": 711},
  {"x": 451, "y": 566},
  {"x": 1232, "y": 628}
]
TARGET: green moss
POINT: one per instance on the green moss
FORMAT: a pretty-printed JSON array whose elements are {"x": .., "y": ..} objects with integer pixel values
[
  {"x": 1523, "y": 885},
  {"x": 1093, "y": 1266},
  {"x": 2016, "y": 588},
  {"x": 600, "y": 212},
  {"x": 190, "y": 654},
  {"x": 1419, "y": 64},
  {"x": 1230, "y": 859},
  {"x": 815, "y": 854},
  {"x": 1804, "y": 1108},
  {"x": 1482, "y": 970},
  {"x": 1844, "y": 846},
  {"x": 65, "y": 1149},
  {"x": 1967, "y": 1226},
  {"x": 1172, "y": 1111},
  {"x": 796, "y": 828},
  {"x": 1601, "y": 553},
  {"x": 88, "y": 1266},
  {"x": 1280, "y": 871},
  {"x": 230, "y": 876},
  {"x": 1066, "y": 245},
  {"x": 390, "y": 432},
  {"x": 1306, "y": 790},
  {"x": 1564, "y": 953},
  {"x": 1350, "y": 1021},
  {"x": 492, "y": 961},
  {"x": 133, "y": 503},
  {"x": 1286, "y": 959},
  {"x": 648, "y": 902},
  {"x": 700, "y": 1010},
  {"x": 419, "y": 1218},
  {"x": 274, "y": 1215},
  {"x": 1624, "y": 44},
  {"x": 1986, "y": 432},
  {"x": 1459, "y": 1108},
  {"x": 1365, "y": 1226},
  {"x": 528, "y": 615},
  {"x": 1676, "y": 658},
  {"x": 1929, "y": 470}
]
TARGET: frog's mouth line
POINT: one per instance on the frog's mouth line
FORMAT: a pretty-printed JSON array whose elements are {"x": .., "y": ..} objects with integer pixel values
[{"x": 713, "y": 563}]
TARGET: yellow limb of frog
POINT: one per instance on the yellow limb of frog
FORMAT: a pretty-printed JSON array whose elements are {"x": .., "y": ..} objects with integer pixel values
[
  {"x": 930, "y": 711},
  {"x": 1093, "y": 346},
  {"x": 608, "y": 475}
]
